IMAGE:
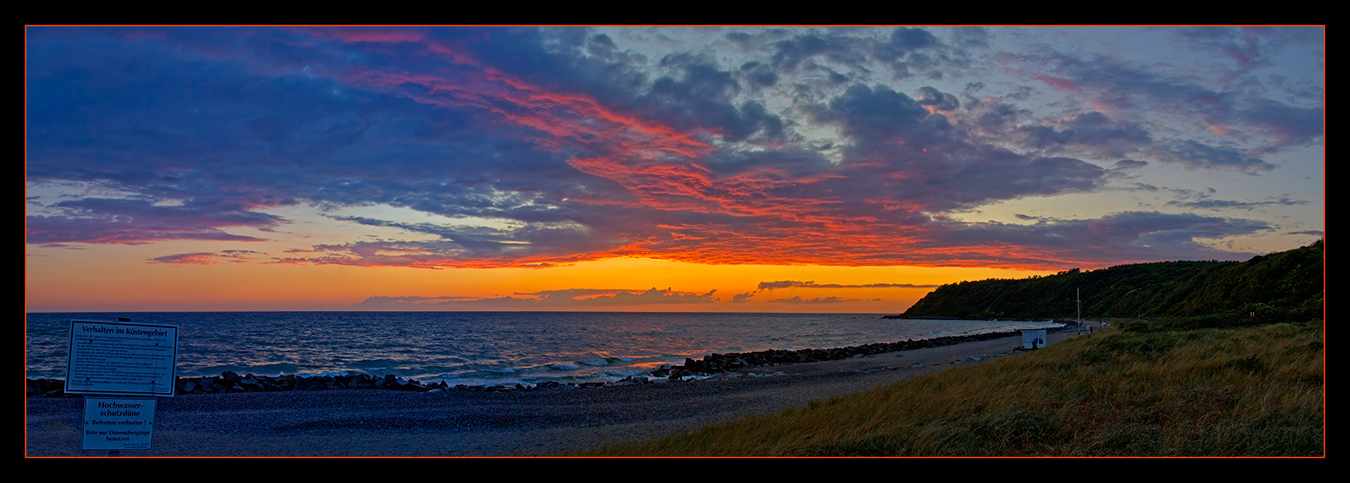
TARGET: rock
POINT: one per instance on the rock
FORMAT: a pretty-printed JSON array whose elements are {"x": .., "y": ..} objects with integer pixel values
[
  {"x": 301, "y": 384},
  {"x": 719, "y": 363},
  {"x": 46, "y": 387}
]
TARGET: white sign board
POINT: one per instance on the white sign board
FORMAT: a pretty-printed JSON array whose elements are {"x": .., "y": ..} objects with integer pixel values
[
  {"x": 118, "y": 424},
  {"x": 122, "y": 358},
  {"x": 1034, "y": 338}
]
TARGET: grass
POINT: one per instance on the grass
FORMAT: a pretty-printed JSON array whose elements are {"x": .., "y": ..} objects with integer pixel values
[{"x": 1135, "y": 389}]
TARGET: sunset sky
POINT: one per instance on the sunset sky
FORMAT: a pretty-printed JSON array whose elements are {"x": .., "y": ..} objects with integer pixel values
[{"x": 722, "y": 169}]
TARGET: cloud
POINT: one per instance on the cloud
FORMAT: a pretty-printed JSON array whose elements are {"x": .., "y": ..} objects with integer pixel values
[
  {"x": 971, "y": 36},
  {"x": 1138, "y": 89},
  {"x": 818, "y": 300},
  {"x": 1286, "y": 124},
  {"x": 139, "y": 221},
  {"x": 699, "y": 96},
  {"x": 938, "y": 100},
  {"x": 1216, "y": 205},
  {"x": 759, "y": 74},
  {"x": 796, "y": 284},
  {"x": 994, "y": 117},
  {"x": 187, "y": 259},
  {"x": 792, "y": 52},
  {"x": 200, "y": 258},
  {"x": 1125, "y": 164},
  {"x": 646, "y": 297},
  {"x": 1248, "y": 47},
  {"x": 1092, "y": 130},
  {"x": 551, "y": 299},
  {"x": 580, "y": 292},
  {"x": 531, "y": 243},
  {"x": 931, "y": 161},
  {"x": 1128, "y": 237},
  {"x": 582, "y": 148},
  {"x": 382, "y": 303},
  {"x": 1199, "y": 155}
]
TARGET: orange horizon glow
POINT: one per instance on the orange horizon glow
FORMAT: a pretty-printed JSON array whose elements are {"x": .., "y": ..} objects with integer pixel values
[{"x": 132, "y": 285}]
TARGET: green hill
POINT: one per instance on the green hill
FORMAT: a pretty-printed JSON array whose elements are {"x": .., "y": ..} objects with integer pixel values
[
  {"x": 1283, "y": 286},
  {"x": 1179, "y": 378},
  {"x": 1238, "y": 391}
]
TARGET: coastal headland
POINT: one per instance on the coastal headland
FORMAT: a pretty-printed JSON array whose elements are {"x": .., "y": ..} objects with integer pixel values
[{"x": 556, "y": 420}]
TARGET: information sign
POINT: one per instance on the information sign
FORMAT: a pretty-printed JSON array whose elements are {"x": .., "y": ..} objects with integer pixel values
[
  {"x": 118, "y": 424},
  {"x": 122, "y": 358}
]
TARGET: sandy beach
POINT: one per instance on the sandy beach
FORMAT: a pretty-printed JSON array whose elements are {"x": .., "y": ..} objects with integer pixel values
[{"x": 544, "y": 422}]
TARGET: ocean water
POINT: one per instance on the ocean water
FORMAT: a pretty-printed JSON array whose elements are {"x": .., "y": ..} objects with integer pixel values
[{"x": 484, "y": 348}]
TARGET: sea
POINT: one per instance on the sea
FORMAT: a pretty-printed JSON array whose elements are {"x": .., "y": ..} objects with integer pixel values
[{"x": 484, "y": 348}]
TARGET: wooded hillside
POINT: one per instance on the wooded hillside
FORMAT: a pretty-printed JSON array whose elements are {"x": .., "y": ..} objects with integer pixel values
[{"x": 1283, "y": 286}]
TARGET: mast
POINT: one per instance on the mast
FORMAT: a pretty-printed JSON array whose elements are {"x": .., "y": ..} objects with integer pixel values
[{"x": 1079, "y": 293}]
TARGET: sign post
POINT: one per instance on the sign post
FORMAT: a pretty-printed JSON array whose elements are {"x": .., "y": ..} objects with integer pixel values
[
  {"x": 1078, "y": 293},
  {"x": 121, "y": 359}
]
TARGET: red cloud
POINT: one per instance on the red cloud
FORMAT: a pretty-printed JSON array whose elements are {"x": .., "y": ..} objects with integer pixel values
[
  {"x": 187, "y": 259},
  {"x": 1057, "y": 82}
]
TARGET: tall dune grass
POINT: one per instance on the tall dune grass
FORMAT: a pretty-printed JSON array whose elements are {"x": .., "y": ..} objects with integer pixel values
[{"x": 1136, "y": 391}]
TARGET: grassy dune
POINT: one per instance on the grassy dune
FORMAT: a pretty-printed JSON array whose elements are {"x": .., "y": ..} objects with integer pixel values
[{"x": 1137, "y": 389}]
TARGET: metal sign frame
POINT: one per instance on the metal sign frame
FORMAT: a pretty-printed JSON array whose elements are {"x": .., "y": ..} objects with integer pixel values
[{"x": 122, "y": 358}]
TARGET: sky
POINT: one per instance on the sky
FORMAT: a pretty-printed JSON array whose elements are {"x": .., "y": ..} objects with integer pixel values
[{"x": 708, "y": 169}]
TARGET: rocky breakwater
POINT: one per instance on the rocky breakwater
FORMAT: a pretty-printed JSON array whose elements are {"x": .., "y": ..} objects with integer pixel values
[
  {"x": 230, "y": 381},
  {"x": 711, "y": 365},
  {"x": 720, "y": 363}
]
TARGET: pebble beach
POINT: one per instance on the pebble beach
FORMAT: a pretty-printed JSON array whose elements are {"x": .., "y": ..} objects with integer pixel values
[{"x": 550, "y": 422}]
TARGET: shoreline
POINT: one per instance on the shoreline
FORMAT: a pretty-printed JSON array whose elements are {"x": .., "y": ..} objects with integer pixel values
[
  {"x": 542, "y": 422},
  {"x": 711, "y": 365}
]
